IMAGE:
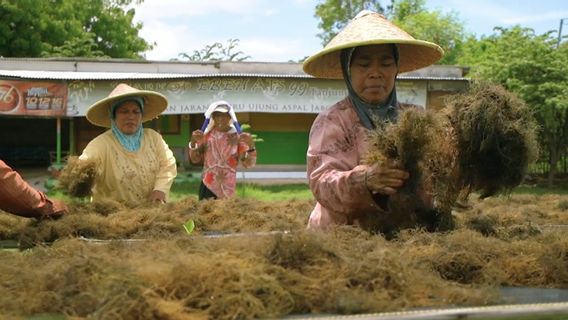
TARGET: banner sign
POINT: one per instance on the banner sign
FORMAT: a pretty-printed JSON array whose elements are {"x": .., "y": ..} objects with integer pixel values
[
  {"x": 33, "y": 98},
  {"x": 246, "y": 94}
]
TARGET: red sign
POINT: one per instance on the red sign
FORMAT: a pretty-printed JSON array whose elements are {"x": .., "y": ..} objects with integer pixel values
[{"x": 32, "y": 98}]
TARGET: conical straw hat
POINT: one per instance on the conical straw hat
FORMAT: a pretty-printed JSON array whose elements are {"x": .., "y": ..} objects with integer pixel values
[
  {"x": 366, "y": 29},
  {"x": 154, "y": 104}
]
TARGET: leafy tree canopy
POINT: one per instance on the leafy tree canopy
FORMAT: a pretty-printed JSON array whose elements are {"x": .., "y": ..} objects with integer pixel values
[
  {"x": 523, "y": 62},
  {"x": 335, "y": 14},
  {"x": 534, "y": 67},
  {"x": 217, "y": 52},
  {"x": 445, "y": 30},
  {"x": 70, "y": 28}
]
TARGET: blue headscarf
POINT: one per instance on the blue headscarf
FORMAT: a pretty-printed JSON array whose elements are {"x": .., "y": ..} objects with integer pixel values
[
  {"x": 387, "y": 111},
  {"x": 130, "y": 142}
]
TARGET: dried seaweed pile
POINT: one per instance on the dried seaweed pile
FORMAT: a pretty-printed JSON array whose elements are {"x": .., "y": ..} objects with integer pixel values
[
  {"x": 221, "y": 279},
  {"x": 483, "y": 142},
  {"x": 112, "y": 220},
  {"x": 11, "y": 226},
  {"x": 172, "y": 275}
]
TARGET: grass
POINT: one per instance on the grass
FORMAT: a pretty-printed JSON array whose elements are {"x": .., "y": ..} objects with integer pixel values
[
  {"x": 275, "y": 192},
  {"x": 188, "y": 185},
  {"x": 538, "y": 190}
]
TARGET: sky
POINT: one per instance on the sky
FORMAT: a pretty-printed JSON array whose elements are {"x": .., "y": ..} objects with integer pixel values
[{"x": 284, "y": 30}]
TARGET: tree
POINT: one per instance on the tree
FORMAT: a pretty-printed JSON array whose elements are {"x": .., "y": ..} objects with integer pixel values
[
  {"x": 411, "y": 15},
  {"x": 47, "y": 28},
  {"x": 217, "y": 52},
  {"x": 445, "y": 30},
  {"x": 82, "y": 46},
  {"x": 533, "y": 67},
  {"x": 335, "y": 14}
]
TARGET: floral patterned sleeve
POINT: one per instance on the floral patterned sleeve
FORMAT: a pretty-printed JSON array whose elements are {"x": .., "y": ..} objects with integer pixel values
[{"x": 336, "y": 177}]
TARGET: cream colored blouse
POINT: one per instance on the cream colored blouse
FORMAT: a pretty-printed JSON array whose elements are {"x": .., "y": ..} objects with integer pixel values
[{"x": 130, "y": 177}]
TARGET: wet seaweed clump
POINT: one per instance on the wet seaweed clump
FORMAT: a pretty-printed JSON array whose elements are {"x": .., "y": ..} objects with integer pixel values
[
  {"x": 77, "y": 177},
  {"x": 496, "y": 138},
  {"x": 483, "y": 142},
  {"x": 418, "y": 143}
]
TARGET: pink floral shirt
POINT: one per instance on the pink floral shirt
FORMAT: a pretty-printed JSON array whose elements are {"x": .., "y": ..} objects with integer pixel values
[
  {"x": 220, "y": 155},
  {"x": 338, "y": 142}
]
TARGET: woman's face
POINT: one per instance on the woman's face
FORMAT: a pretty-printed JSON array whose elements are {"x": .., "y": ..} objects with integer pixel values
[
  {"x": 222, "y": 120},
  {"x": 128, "y": 117},
  {"x": 373, "y": 72}
]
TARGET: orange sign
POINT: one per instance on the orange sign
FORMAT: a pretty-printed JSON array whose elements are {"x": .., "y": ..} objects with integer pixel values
[{"x": 32, "y": 98}]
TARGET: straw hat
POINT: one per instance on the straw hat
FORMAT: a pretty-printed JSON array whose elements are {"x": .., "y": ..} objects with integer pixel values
[
  {"x": 369, "y": 28},
  {"x": 154, "y": 104}
]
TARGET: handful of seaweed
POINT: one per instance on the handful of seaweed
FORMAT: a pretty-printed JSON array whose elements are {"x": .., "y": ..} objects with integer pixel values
[
  {"x": 419, "y": 142},
  {"x": 482, "y": 142},
  {"x": 496, "y": 136},
  {"x": 78, "y": 176}
]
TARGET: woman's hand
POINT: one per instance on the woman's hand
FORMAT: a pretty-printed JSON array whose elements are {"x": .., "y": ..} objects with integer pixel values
[
  {"x": 59, "y": 209},
  {"x": 385, "y": 178},
  {"x": 196, "y": 137},
  {"x": 246, "y": 138},
  {"x": 157, "y": 196}
]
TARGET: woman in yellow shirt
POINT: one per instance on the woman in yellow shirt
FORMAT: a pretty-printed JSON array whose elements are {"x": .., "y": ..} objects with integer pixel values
[{"x": 134, "y": 164}]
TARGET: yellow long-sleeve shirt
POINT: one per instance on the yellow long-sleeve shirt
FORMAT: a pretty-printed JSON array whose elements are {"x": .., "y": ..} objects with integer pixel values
[{"x": 127, "y": 176}]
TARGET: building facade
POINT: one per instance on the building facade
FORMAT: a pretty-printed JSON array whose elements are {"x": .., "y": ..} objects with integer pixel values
[{"x": 277, "y": 100}]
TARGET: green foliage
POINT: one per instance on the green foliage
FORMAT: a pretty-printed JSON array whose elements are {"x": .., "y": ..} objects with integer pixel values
[
  {"x": 82, "y": 46},
  {"x": 445, "y": 30},
  {"x": 335, "y": 14},
  {"x": 407, "y": 8},
  {"x": 246, "y": 128},
  {"x": 217, "y": 52},
  {"x": 183, "y": 188},
  {"x": 18, "y": 31},
  {"x": 69, "y": 28},
  {"x": 534, "y": 68},
  {"x": 188, "y": 226},
  {"x": 539, "y": 190},
  {"x": 299, "y": 191}
]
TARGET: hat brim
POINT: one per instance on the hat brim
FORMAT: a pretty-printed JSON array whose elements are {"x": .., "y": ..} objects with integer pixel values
[
  {"x": 154, "y": 104},
  {"x": 413, "y": 55},
  {"x": 222, "y": 110}
]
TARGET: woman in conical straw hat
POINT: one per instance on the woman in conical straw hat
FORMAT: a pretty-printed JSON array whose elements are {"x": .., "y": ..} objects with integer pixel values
[
  {"x": 220, "y": 146},
  {"x": 367, "y": 54},
  {"x": 134, "y": 164}
]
